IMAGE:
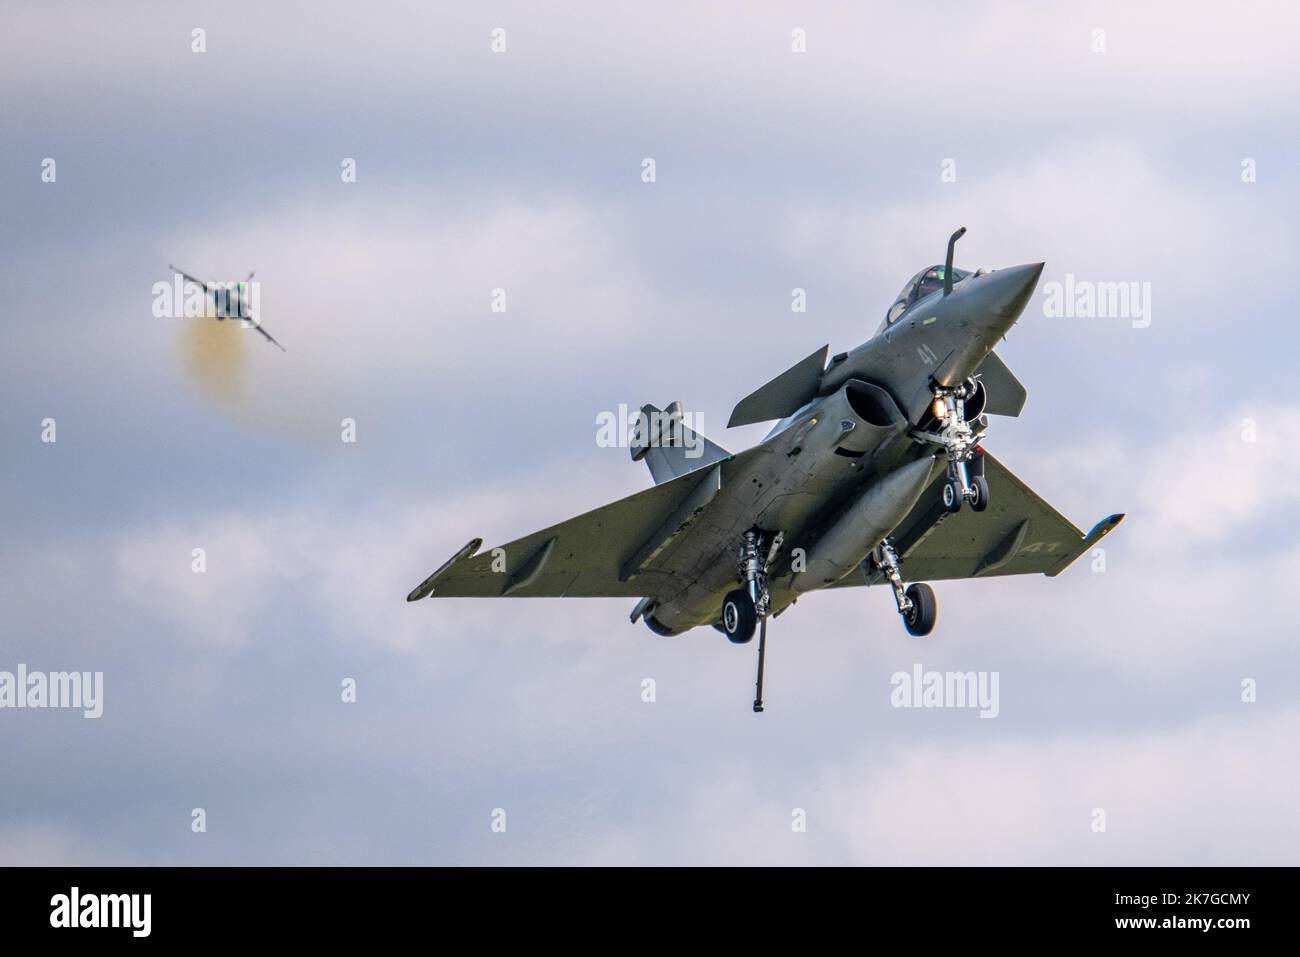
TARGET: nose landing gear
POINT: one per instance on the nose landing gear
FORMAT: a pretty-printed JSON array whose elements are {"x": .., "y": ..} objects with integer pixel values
[
  {"x": 976, "y": 494},
  {"x": 965, "y": 481}
]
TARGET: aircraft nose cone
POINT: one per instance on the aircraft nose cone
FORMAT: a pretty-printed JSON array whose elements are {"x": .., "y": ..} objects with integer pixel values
[
  {"x": 989, "y": 308},
  {"x": 1007, "y": 291}
]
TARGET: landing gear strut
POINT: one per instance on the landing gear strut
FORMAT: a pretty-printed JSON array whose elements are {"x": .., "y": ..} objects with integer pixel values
[
  {"x": 916, "y": 602},
  {"x": 748, "y": 606},
  {"x": 965, "y": 481}
]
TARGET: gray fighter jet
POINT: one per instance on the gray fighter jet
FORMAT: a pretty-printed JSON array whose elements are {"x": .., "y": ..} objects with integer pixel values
[
  {"x": 874, "y": 475},
  {"x": 230, "y": 300}
]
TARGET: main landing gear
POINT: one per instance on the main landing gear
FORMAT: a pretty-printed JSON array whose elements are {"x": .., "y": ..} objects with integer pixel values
[
  {"x": 965, "y": 481},
  {"x": 747, "y": 607},
  {"x": 916, "y": 602}
]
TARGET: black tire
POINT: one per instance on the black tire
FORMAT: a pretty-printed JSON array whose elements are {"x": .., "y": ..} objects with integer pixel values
[
  {"x": 979, "y": 486},
  {"x": 739, "y": 616},
  {"x": 952, "y": 495},
  {"x": 919, "y": 620}
]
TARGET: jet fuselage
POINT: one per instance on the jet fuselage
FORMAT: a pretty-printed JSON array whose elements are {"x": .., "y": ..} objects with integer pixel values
[{"x": 839, "y": 474}]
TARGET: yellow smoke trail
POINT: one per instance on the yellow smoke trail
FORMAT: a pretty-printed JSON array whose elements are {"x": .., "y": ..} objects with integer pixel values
[
  {"x": 277, "y": 392},
  {"x": 215, "y": 355}
]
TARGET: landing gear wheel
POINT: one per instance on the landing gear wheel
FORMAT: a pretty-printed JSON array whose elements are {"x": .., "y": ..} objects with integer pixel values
[
  {"x": 952, "y": 495},
  {"x": 979, "y": 493},
  {"x": 738, "y": 616},
  {"x": 919, "y": 619}
]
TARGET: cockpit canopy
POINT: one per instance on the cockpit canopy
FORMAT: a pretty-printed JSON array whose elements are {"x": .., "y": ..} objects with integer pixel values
[{"x": 919, "y": 286}]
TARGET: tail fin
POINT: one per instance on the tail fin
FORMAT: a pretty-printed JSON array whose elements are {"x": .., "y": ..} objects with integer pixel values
[{"x": 669, "y": 447}]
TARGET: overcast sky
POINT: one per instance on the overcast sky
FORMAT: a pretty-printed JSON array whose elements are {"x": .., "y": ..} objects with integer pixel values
[{"x": 1169, "y": 157}]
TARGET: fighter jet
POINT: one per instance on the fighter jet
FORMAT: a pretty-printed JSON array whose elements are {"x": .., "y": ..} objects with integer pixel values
[
  {"x": 230, "y": 301},
  {"x": 874, "y": 474}
]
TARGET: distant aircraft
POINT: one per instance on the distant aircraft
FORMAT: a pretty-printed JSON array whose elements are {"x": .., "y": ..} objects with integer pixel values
[
  {"x": 230, "y": 301},
  {"x": 865, "y": 474}
]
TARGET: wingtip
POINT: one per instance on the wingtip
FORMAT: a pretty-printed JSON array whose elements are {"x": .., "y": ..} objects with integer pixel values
[
  {"x": 1104, "y": 527},
  {"x": 425, "y": 588}
]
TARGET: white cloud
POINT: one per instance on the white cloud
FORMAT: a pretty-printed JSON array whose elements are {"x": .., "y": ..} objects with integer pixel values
[
  {"x": 1101, "y": 209},
  {"x": 1220, "y": 785},
  {"x": 1215, "y": 788},
  {"x": 930, "y": 61},
  {"x": 355, "y": 565},
  {"x": 244, "y": 560}
]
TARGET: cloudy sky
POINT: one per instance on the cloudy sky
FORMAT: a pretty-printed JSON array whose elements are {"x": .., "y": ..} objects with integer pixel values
[{"x": 1162, "y": 149}]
